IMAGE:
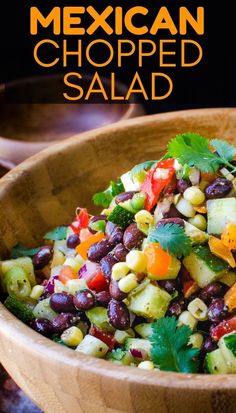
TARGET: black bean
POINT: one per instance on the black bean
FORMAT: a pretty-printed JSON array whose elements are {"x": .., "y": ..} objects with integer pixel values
[
  {"x": 182, "y": 185},
  {"x": 116, "y": 236},
  {"x": 106, "y": 265},
  {"x": 172, "y": 213},
  {"x": 73, "y": 240},
  {"x": 217, "y": 310},
  {"x": 176, "y": 307},
  {"x": 42, "y": 326},
  {"x": 62, "y": 303},
  {"x": 208, "y": 345},
  {"x": 115, "y": 292},
  {"x": 95, "y": 218},
  {"x": 219, "y": 188},
  {"x": 124, "y": 196},
  {"x": 98, "y": 250},
  {"x": 133, "y": 237},
  {"x": 211, "y": 291},
  {"x": 63, "y": 321},
  {"x": 103, "y": 298},
  {"x": 120, "y": 252},
  {"x": 178, "y": 221},
  {"x": 169, "y": 285},
  {"x": 43, "y": 257},
  {"x": 84, "y": 300},
  {"x": 110, "y": 228},
  {"x": 118, "y": 315}
]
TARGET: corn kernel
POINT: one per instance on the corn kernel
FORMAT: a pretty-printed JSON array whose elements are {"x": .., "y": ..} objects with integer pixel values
[
  {"x": 185, "y": 208},
  {"x": 196, "y": 340},
  {"x": 146, "y": 365},
  {"x": 136, "y": 261},
  {"x": 119, "y": 270},
  {"x": 144, "y": 219},
  {"x": 74, "y": 262},
  {"x": 198, "y": 221},
  {"x": 194, "y": 195},
  {"x": 186, "y": 318},
  {"x": 72, "y": 286},
  {"x": 198, "y": 309},
  {"x": 72, "y": 336},
  {"x": 36, "y": 292},
  {"x": 128, "y": 283}
]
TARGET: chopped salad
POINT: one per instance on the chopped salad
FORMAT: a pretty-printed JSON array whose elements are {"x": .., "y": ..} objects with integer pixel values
[{"x": 151, "y": 280}]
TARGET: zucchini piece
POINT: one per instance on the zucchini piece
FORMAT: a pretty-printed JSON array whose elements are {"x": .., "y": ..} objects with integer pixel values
[
  {"x": 24, "y": 262},
  {"x": 92, "y": 346},
  {"x": 227, "y": 344},
  {"x": 121, "y": 216},
  {"x": 43, "y": 310},
  {"x": 220, "y": 212},
  {"x": 19, "y": 309},
  {"x": 144, "y": 329},
  {"x": 203, "y": 266},
  {"x": 215, "y": 362},
  {"x": 98, "y": 316},
  {"x": 150, "y": 302}
]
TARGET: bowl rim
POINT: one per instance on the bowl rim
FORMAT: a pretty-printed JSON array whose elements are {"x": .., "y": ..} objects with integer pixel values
[{"x": 24, "y": 337}]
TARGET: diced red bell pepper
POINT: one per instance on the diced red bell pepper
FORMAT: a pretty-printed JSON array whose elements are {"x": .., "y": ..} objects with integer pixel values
[
  {"x": 153, "y": 186},
  {"x": 98, "y": 282},
  {"x": 189, "y": 286},
  {"x": 81, "y": 221},
  {"x": 107, "y": 338},
  {"x": 225, "y": 327}
]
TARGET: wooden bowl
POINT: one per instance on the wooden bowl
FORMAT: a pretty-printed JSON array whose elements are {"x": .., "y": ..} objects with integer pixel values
[
  {"x": 43, "y": 192},
  {"x": 27, "y": 128}
]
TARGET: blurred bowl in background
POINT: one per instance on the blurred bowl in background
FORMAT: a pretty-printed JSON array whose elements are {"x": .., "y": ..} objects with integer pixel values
[{"x": 26, "y": 128}]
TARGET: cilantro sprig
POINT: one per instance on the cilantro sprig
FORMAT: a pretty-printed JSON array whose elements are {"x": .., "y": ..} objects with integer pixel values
[
  {"x": 193, "y": 149},
  {"x": 170, "y": 350},
  {"x": 58, "y": 233},
  {"x": 21, "y": 251},
  {"x": 172, "y": 239},
  {"x": 104, "y": 198}
]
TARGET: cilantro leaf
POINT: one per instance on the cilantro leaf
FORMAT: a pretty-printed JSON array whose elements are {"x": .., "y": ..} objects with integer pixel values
[
  {"x": 21, "y": 251},
  {"x": 142, "y": 167},
  {"x": 104, "y": 198},
  {"x": 192, "y": 149},
  {"x": 224, "y": 149},
  {"x": 59, "y": 233},
  {"x": 172, "y": 239},
  {"x": 170, "y": 350},
  {"x": 116, "y": 354}
]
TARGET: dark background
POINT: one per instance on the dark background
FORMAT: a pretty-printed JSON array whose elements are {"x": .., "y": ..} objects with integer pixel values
[{"x": 209, "y": 84}]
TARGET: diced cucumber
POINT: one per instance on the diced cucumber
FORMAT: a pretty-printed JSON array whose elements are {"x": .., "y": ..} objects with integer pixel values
[
  {"x": 144, "y": 329},
  {"x": 120, "y": 336},
  {"x": 203, "y": 266},
  {"x": 98, "y": 316},
  {"x": 120, "y": 356},
  {"x": 196, "y": 235},
  {"x": 138, "y": 344},
  {"x": 24, "y": 262},
  {"x": 215, "y": 362},
  {"x": 92, "y": 346},
  {"x": 43, "y": 310},
  {"x": 19, "y": 309},
  {"x": 150, "y": 302},
  {"x": 220, "y": 212},
  {"x": 227, "y": 344}
]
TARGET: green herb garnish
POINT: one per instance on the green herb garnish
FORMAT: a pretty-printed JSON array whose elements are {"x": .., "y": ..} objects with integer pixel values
[
  {"x": 170, "y": 350},
  {"x": 56, "y": 234},
  {"x": 193, "y": 149},
  {"x": 172, "y": 239},
  {"x": 21, "y": 251},
  {"x": 141, "y": 168},
  {"x": 116, "y": 354},
  {"x": 104, "y": 198}
]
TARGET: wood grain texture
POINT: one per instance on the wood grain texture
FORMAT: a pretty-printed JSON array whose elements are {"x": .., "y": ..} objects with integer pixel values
[{"x": 43, "y": 192}]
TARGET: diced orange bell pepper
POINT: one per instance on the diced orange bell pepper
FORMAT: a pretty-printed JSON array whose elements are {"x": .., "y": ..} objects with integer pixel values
[
  {"x": 230, "y": 298},
  {"x": 82, "y": 248},
  {"x": 66, "y": 274},
  {"x": 228, "y": 236},
  {"x": 158, "y": 261},
  {"x": 220, "y": 250},
  {"x": 201, "y": 209}
]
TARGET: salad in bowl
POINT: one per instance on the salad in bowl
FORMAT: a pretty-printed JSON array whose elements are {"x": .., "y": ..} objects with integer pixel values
[{"x": 150, "y": 281}]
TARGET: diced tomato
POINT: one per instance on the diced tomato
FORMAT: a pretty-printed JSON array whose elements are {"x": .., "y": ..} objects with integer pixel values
[
  {"x": 154, "y": 185},
  {"x": 81, "y": 221},
  {"x": 107, "y": 338},
  {"x": 98, "y": 282},
  {"x": 225, "y": 327}
]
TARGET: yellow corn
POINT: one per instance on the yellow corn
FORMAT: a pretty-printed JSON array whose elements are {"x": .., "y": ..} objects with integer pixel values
[
  {"x": 198, "y": 221},
  {"x": 146, "y": 365},
  {"x": 128, "y": 283},
  {"x": 196, "y": 340},
  {"x": 194, "y": 195},
  {"x": 36, "y": 292},
  {"x": 75, "y": 263},
  {"x": 72, "y": 336},
  {"x": 186, "y": 318},
  {"x": 136, "y": 261},
  {"x": 198, "y": 309},
  {"x": 119, "y": 270}
]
